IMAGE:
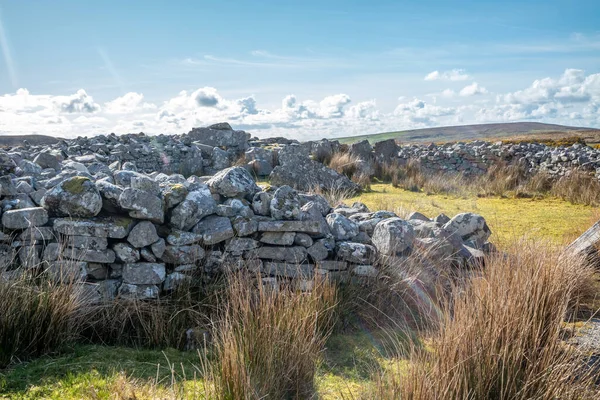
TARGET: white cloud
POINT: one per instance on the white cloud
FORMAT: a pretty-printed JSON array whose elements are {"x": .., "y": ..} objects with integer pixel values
[
  {"x": 453, "y": 75},
  {"x": 128, "y": 103},
  {"x": 571, "y": 98},
  {"x": 473, "y": 89}
]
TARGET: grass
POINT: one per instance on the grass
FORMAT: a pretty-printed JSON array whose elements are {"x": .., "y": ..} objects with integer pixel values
[{"x": 509, "y": 218}]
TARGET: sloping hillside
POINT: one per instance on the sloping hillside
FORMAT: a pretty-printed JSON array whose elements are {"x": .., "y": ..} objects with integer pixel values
[
  {"x": 15, "y": 140},
  {"x": 465, "y": 132}
]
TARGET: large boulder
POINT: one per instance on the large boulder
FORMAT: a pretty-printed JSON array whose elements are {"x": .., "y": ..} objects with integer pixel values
[
  {"x": 341, "y": 227},
  {"x": 233, "y": 182},
  {"x": 24, "y": 218},
  {"x": 142, "y": 205},
  {"x": 393, "y": 236},
  {"x": 220, "y": 136},
  {"x": 73, "y": 197}
]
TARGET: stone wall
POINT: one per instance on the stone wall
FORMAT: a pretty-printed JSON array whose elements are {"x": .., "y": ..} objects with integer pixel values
[{"x": 120, "y": 232}]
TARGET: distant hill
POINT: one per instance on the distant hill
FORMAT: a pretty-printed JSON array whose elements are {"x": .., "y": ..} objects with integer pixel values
[
  {"x": 466, "y": 132},
  {"x": 17, "y": 140}
]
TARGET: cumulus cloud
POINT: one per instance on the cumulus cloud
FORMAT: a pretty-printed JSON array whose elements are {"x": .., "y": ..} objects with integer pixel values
[
  {"x": 473, "y": 89},
  {"x": 128, "y": 103},
  {"x": 571, "y": 98},
  {"x": 453, "y": 75}
]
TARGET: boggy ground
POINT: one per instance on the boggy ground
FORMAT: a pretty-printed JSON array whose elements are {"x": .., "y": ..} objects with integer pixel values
[{"x": 362, "y": 360}]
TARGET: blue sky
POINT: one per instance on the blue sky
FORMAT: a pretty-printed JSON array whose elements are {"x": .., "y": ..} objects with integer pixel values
[{"x": 299, "y": 69}]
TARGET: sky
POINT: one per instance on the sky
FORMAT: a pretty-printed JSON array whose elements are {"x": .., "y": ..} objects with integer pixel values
[{"x": 303, "y": 70}]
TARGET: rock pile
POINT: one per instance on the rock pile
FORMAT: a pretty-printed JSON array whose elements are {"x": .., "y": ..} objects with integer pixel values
[{"x": 120, "y": 232}]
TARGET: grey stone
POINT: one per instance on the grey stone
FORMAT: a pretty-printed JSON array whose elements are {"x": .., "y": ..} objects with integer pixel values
[
  {"x": 95, "y": 256},
  {"x": 129, "y": 291},
  {"x": 175, "y": 280},
  {"x": 158, "y": 248},
  {"x": 368, "y": 271},
  {"x": 357, "y": 253},
  {"x": 285, "y": 203},
  {"x": 341, "y": 227},
  {"x": 142, "y": 234},
  {"x": 233, "y": 182},
  {"x": 74, "y": 197},
  {"x": 469, "y": 226},
  {"x": 244, "y": 226},
  {"x": 41, "y": 233},
  {"x": 144, "y": 273},
  {"x": 142, "y": 205},
  {"x": 24, "y": 218},
  {"x": 182, "y": 238},
  {"x": 67, "y": 271},
  {"x": 310, "y": 227},
  {"x": 294, "y": 254},
  {"x": 417, "y": 216},
  {"x": 126, "y": 253},
  {"x": 393, "y": 236},
  {"x": 331, "y": 265},
  {"x": 85, "y": 242},
  {"x": 111, "y": 227},
  {"x": 278, "y": 238},
  {"x": 197, "y": 205},
  {"x": 289, "y": 270},
  {"x": 302, "y": 239},
  {"x": 214, "y": 229},
  {"x": 183, "y": 254},
  {"x": 174, "y": 193},
  {"x": 318, "y": 251},
  {"x": 261, "y": 203}
]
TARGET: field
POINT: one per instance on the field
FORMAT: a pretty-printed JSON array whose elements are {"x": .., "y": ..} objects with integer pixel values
[{"x": 351, "y": 358}]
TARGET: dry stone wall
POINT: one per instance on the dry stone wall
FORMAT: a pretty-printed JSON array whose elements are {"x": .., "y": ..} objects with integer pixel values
[{"x": 127, "y": 234}]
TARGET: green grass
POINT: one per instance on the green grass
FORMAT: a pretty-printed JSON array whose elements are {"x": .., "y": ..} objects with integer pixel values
[
  {"x": 377, "y": 137},
  {"x": 90, "y": 371},
  {"x": 508, "y": 218}
]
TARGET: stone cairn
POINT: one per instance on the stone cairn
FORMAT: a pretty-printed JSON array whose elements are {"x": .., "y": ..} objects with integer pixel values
[{"x": 123, "y": 233}]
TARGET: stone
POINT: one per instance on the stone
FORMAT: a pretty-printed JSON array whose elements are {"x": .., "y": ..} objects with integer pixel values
[
  {"x": 175, "y": 280},
  {"x": 147, "y": 255},
  {"x": 331, "y": 265},
  {"x": 145, "y": 184},
  {"x": 367, "y": 271},
  {"x": 67, "y": 271},
  {"x": 233, "y": 182},
  {"x": 393, "y": 236},
  {"x": 183, "y": 254},
  {"x": 142, "y": 205},
  {"x": 302, "y": 239},
  {"x": 97, "y": 271},
  {"x": 294, "y": 254},
  {"x": 357, "y": 253},
  {"x": 110, "y": 195},
  {"x": 110, "y": 227},
  {"x": 442, "y": 219},
  {"x": 142, "y": 234},
  {"x": 261, "y": 203},
  {"x": 85, "y": 242},
  {"x": 417, "y": 216},
  {"x": 285, "y": 203},
  {"x": 238, "y": 245},
  {"x": 174, "y": 193},
  {"x": 341, "y": 227},
  {"x": 469, "y": 226},
  {"x": 73, "y": 197},
  {"x": 129, "y": 291},
  {"x": 95, "y": 256},
  {"x": 7, "y": 187},
  {"x": 318, "y": 251},
  {"x": 126, "y": 253},
  {"x": 244, "y": 226},
  {"x": 158, "y": 248},
  {"x": 24, "y": 218},
  {"x": 48, "y": 159},
  {"x": 197, "y": 205},
  {"x": 182, "y": 238},
  {"x": 310, "y": 227},
  {"x": 144, "y": 273},
  {"x": 289, "y": 270},
  {"x": 278, "y": 238},
  {"x": 41, "y": 233},
  {"x": 214, "y": 229}
]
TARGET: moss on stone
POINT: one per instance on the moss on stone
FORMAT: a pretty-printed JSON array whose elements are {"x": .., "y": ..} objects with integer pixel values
[
  {"x": 122, "y": 222},
  {"x": 75, "y": 185}
]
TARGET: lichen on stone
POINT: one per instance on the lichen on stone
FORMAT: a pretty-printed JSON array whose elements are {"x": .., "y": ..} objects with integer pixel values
[{"x": 75, "y": 185}]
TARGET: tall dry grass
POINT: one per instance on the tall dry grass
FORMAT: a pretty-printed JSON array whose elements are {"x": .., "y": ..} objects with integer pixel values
[
  {"x": 38, "y": 315},
  {"x": 501, "y": 336},
  {"x": 267, "y": 341},
  {"x": 344, "y": 163}
]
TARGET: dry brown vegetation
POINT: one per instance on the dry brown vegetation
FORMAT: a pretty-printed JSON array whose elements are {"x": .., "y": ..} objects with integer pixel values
[{"x": 501, "y": 336}]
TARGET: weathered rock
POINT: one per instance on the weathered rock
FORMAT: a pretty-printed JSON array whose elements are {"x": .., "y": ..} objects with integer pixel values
[
  {"x": 158, "y": 248},
  {"x": 357, "y": 253},
  {"x": 66, "y": 271},
  {"x": 95, "y": 256},
  {"x": 285, "y": 203},
  {"x": 174, "y": 193},
  {"x": 233, "y": 182},
  {"x": 341, "y": 227},
  {"x": 294, "y": 254},
  {"x": 74, "y": 197},
  {"x": 278, "y": 238},
  {"x": 24, "y": 218},
  {"x": 142, "y": 234},
  {"x": 214, "y": 229},
  {"x": 302, "y": 239},
  {"x": 129, "y": 291},
  {"x": 318, "y": 251},
  {"x": 144, "y": 273},
  {"x": 182, "y": 238},
  {"x": 261, "y": 203},
  {"x": 85, "y": 242},
  {"x": 393, "y": 236},
  {"x": 469, "y": 226},
  {"x": 310, "y": 227},
  {"x": 183, "y": 254},
  {"x": 126, "y": 253},
  {"x": 176, "y": 280},
  {"x": 111, "y": 227},
  {"x": 289, "y": 270},
  {"x": 197, "y": 205},
  {"x": 142, "y": 205}
]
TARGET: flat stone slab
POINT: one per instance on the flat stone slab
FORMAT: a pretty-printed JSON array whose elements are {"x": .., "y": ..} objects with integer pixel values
[
  {"x": 95, "y": 256},
  {"x": 144, "y": 273},
  {"x": 295, "y": 254},
  {"x": 111, "y": 227},
  {"x": 332, "y": 265},
  {"x": 290, "y": 226},
  {"x": 43, "y": 233},
  {"x": 278, "y": 238},
  {"x": 85, "y": 242},
  {"x": 289, "y": 270},
  {"x": 130, "y": 291},
  {"x": 24, "y": 218}
]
